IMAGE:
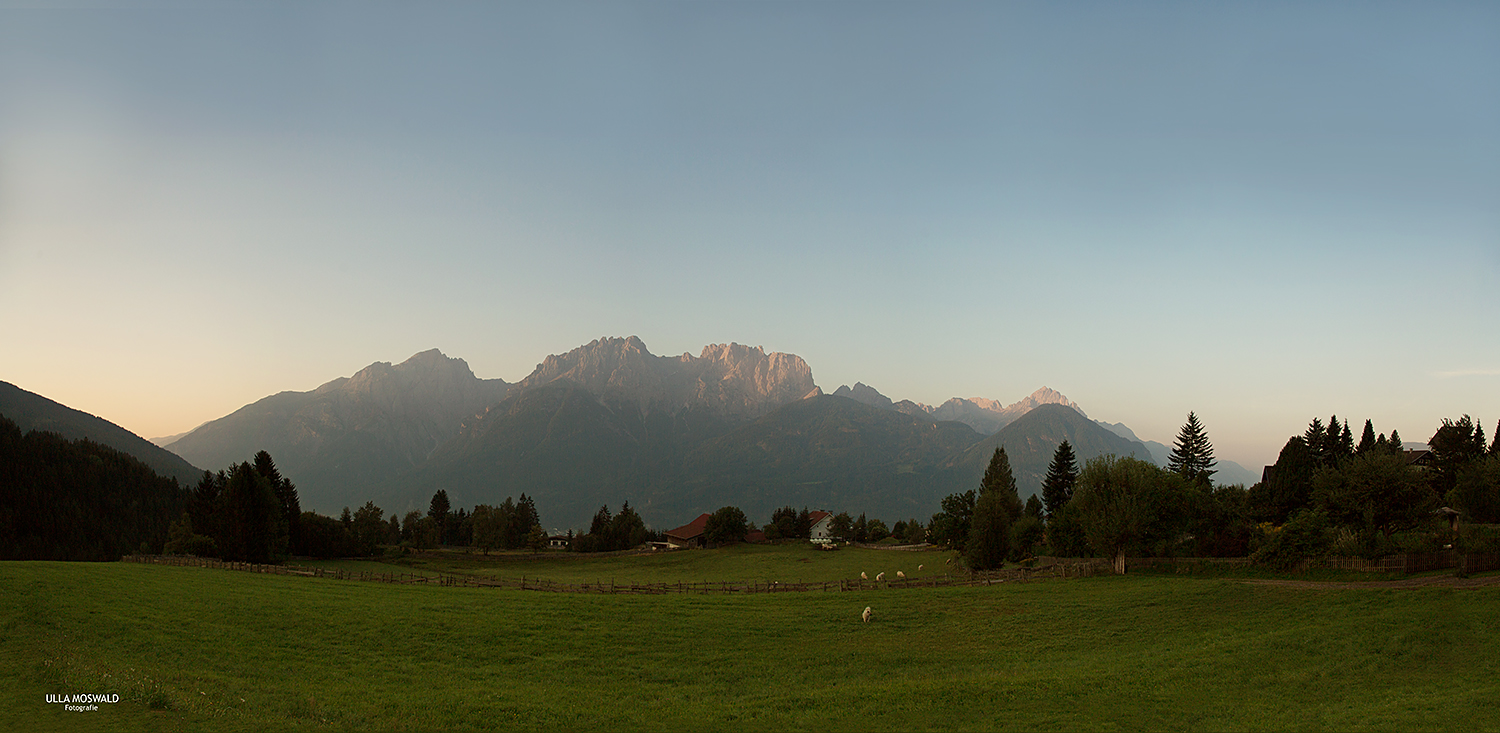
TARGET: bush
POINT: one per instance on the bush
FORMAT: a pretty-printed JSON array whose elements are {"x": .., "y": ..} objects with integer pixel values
[
  {"x": 1306, "y": 535},
  {"x": 1025, "y": 537},
  {"x": 1475, "y": 538},
  {"x": 1356, "y": 542},
  {"x": 1065, "y": 535}
]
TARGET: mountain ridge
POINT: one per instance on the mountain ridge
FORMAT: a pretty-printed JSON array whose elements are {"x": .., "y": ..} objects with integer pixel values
[
  {"x": 349, "y": 432},
  {"x": 31, "y": 411}
]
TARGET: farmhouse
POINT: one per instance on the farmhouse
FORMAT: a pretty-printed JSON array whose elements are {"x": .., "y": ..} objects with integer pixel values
[
  {"x": 688, "y": 535},
  {"x": 822, "y": 525}
]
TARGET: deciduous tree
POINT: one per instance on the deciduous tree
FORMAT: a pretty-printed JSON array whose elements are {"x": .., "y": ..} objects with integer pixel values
[
  {"x": 726, "y": 526},
  {"x": 1126, "y": 504}
]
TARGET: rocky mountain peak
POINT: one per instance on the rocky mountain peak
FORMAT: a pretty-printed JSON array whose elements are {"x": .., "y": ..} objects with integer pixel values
[
  {"x": 1045, "y": 396},
  {"x": 726, "y": 378},
  {"x": 862, "y": 392}
]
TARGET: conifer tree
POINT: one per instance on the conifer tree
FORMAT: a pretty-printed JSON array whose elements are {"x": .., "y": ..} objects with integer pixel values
[
  {"x": 1034, "y": 507},
  {"x": 1346, "y": 442},
  {"x": 1057, "y": 488},
  {"x": 1316, "y": 440},
  {"x": 1193, "y": 456},
  {"x": 999, "y": 478},
  {"x": 989, "y": 536},
  {"x": 1395, "y": 443},
  {"x": 997, "y": 507},
  {"x": 286, "y": 493},
  {"x": 438, "y": 510},
  {"x": 1367, "y": 439}
]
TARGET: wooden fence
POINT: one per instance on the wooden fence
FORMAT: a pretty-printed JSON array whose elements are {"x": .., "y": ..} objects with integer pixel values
[{"x": 1406, "y": 563}]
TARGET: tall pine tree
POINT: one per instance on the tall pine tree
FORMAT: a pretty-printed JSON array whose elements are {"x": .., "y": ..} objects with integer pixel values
[
  {"x": 286, "y": 493},
  {"x": 1193, "y": 456},
  {"x": 1062, "y": 474},
  {"x": 997, "y": 507},
  {"x": 1366, "y": 440},
  {"x": 999, "y": 478}
]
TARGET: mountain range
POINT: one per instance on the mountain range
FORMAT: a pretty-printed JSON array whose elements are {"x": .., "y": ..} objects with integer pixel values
[
  {"x": 609, "y": 422},
  {"x": 338, "y": 441}
]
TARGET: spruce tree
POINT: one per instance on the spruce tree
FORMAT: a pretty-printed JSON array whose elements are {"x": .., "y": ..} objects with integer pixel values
[
  {"x": 286, "y": 493},
  {"x": 1057, "y": 488},
  {"x": 997, "y": 507},
  {"x": 1316, "y": 440},
  {"x": 1193, "y": 456},
  {"x": 999, "y": 478},
  {"x": 989, "y": 536},
  {"x": 1034, "y": 507},
  {"x": 1333, "y": 443},
  {"x": 1346, "y": 442},
  {"x": 1395, "y": 443},
  {"x": 1367, "y": 439}
]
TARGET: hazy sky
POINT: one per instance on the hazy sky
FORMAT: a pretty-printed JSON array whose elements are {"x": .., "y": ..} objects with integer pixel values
[{"x": 1261, "y": 211}]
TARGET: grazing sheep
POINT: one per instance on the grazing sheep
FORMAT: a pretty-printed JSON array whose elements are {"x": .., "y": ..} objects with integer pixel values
[
  {"x": 880, "y": 576},
  {"x": 866, "y": 615},
  {"x": 900, "y": 574},
  {"x": 862, "y": 576},
  {"x": 919, "y": 567}
]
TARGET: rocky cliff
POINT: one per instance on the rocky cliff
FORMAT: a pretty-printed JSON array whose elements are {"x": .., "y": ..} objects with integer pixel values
[{"x": 730, "y": 380}]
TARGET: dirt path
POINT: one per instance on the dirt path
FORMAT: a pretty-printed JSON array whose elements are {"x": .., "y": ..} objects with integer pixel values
[{"x": 1441, "y": 581}]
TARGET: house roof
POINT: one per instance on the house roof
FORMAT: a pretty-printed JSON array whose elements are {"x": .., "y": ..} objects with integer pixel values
[
  {"x": 817, "y": 516},
  {"x": 690, "y": 530},
  {"x": 755, "y": 535}
]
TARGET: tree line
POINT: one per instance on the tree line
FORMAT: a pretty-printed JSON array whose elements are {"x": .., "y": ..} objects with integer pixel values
[
  {"x": 1325, "y": 494},
  {"x": 66, "y": 499}
]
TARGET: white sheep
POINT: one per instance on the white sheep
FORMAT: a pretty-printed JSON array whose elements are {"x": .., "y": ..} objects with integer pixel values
[
  {"x": 919, "y": 567},
  {"x": 880, "y": 576},
  {"x": 866, "y": 615},
  {"x": 900, "y": 574},
  {"x": 862, "y": 576}
]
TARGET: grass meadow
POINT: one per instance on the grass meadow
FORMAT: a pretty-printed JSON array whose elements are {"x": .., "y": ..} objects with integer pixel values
[{"x": 199, "y": 649}]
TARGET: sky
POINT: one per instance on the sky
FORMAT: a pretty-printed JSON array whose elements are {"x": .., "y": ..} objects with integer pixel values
[{"x": 1260, "y": 212}]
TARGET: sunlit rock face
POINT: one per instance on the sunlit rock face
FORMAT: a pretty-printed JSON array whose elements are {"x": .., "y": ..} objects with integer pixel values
[{"x": 726, "y": 379}]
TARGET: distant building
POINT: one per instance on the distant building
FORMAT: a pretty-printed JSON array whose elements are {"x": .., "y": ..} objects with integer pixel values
[
  {"x": 822, "y": 525},
  {"x": 1420, "y": 459},
  {"x": 559, "y": 542},
  {"x": 755, "y": 535},
  {"x": 688, "y": 535}
]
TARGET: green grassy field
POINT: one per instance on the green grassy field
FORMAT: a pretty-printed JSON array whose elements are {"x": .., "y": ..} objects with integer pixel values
[
  {"x": 197, "y": 649},
  {"x": 791, "y": 563}
]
